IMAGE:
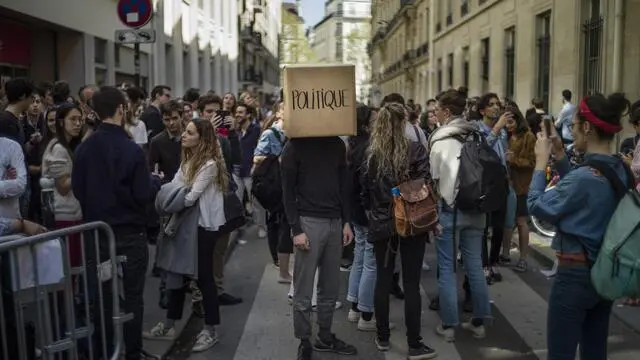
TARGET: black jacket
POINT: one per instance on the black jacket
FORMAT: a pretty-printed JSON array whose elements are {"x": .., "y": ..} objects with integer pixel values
[
  {"x": 376, "y": 193},
  {"x": 356, "y": 161}
]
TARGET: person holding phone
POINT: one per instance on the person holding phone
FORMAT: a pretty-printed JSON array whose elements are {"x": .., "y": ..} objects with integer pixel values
[{"x": 493, "y": 126}]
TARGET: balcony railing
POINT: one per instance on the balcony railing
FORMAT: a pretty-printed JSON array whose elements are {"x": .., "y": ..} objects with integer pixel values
[{"x": 248, "y": 75}]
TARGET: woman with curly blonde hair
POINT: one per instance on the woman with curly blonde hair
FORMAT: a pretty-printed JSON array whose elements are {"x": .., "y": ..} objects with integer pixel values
[
  {"x": 203, "y": 170},
  {"x": 393, "y": 159}
]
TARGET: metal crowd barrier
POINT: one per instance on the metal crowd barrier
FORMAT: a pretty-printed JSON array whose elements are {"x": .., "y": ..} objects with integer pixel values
[{"x": 53, "y": 309}]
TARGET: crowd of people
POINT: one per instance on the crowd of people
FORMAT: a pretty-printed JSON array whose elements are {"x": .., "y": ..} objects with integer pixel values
[{"x": 184, "y": 174}]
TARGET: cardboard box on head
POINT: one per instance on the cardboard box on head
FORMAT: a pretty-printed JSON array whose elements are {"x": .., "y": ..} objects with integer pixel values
[{"x": 319, "y": 100}]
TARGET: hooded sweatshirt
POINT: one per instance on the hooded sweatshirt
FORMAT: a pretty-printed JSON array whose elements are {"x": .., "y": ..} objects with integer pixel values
[{"x": 444, "y": 157}]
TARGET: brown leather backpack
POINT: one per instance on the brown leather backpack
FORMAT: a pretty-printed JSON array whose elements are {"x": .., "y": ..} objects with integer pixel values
[{"x": 415, "y": 209}]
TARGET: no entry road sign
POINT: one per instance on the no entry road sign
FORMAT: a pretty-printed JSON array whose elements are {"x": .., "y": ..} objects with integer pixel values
[{"x": 135, "y": 13}]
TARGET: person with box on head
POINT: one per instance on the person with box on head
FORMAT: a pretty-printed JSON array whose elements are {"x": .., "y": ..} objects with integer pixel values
[{"x": 315, "y": 200}]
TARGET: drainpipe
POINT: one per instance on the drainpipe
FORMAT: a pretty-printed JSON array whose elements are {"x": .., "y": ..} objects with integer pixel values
[
  {"x": 618, "y": 31},
  {"x": 430, "y": 70}
]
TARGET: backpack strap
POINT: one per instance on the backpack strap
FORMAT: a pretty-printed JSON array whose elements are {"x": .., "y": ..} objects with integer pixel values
[
  {"x": 607, "y": 171},
  {"x": 276, "y": 134},
  {"x": 415, "y": 129}
]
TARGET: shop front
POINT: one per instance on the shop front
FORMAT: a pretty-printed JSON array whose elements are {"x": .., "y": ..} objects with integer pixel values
[{"x": 15, "y": 51}]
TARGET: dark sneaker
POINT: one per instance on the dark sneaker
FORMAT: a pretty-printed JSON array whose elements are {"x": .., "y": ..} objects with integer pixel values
[
  {"x": 504, "y": 260},
  {"x": 226, "y": 299},
  {"x": 434, "y": 304},
  {"x": 305, "y": 350},
  {"x": 495, "y": 275},
  {"x": 421, "y": 352},
  {"x": 397, "y": 292},
  {"x": 334, "y": 345},
  {"x": 382, "y": 345}
]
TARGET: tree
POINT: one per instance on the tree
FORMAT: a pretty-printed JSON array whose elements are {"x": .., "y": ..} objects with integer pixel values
[
  {"x": 294, "y": 45},
  {"x": 356, "y": 53}
]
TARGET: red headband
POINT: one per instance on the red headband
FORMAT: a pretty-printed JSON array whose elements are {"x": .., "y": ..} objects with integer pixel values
[{"x": 586, "y": 113}]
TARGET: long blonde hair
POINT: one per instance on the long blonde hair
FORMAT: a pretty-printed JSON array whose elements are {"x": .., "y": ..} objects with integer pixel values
[
  {"x": 389, "y": 146},
  {"x": 207, "y": 149}
]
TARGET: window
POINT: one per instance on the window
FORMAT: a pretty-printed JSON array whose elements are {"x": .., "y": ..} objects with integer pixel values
[
  {"x": 510, "y": 62},
  {"x": 481, "y": 2},
  {"x": 484, "y": 68},
  {"x": 464, "y": 7},
  {"x": 450, "y": 69},
  {"x": 439, "y": 75},
  {"x": 438, "y": 27},
  {"x": 592, "y": 30},
  {"x": 465, "y": 66},
  {"x": 100, "y": 51},
  {"x": 449, "y": 12},
  {"x": 543, "y": 43},
  {"x": 116, "y": 55}
]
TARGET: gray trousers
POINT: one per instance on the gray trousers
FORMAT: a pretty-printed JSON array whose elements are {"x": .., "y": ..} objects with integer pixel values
[{"x": 325, "y": 240}]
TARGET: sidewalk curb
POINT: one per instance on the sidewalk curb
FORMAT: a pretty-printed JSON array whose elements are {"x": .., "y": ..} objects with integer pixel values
[{"x": 545, "y": 256}]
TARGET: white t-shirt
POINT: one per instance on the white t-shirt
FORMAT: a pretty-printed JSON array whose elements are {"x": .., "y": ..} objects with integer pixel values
[{"x": 139, "y": 133}]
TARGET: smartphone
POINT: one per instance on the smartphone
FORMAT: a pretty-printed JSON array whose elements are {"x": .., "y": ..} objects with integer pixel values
[
  {"x": 223, "y": 114},
  {"x": 547, "y": 125}
]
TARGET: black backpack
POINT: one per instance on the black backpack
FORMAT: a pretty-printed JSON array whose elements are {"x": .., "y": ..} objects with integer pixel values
[
  {"x": 482, "y": 177},
  {"x": 267, "y": 186}
]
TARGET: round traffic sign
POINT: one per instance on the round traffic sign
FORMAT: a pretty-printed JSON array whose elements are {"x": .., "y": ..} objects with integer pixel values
[{"x": 135, "y": 13}]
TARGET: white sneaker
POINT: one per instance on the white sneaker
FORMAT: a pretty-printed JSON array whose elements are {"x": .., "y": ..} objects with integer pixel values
[
  {"x": 364, "y": 325},
  {"x": 371, "y": 325},
  {"x": 160, "y": 332},
  {"x": 449, "y": 335},
  {"x": 425, "y": 266},
  {"x": 262, "y": 233},
  {"x": 479, "y": 332},
  {"x": 353, "y": 316},
  {"x": 205, "y": 340}
]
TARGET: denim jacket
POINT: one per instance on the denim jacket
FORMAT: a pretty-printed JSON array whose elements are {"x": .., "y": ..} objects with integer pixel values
[
  {"x": 499, "y": 143},
  {"x": 580, "y": 206},
  {"x": 268, "y": 144}
]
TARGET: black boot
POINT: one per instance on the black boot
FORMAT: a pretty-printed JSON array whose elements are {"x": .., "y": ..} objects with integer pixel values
[{"x": 396, "y": 290}]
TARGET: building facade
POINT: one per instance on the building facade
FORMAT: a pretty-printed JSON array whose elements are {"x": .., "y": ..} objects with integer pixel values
[
  {"x": 399, "y": 49},
  {"x": 342, "y": 36},
  {"x": 196, "y": 44},
  {"x": 260, "y": 26},
  {"x": 517, "y": 49},
  {"x": 294, "y": 44}
]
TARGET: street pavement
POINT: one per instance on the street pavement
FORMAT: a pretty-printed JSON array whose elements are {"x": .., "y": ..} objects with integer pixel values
[{"x": 261, "y": 327}]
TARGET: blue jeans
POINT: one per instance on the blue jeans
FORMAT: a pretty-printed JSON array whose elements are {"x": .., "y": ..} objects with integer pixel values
[
  {"x": 576, "y": 315},
  {"x": 469, "y": 230},
  {"x": 362, "y": 279}
]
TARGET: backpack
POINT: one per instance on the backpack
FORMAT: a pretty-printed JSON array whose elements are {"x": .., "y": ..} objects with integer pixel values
[
  {"x": 482, "y": 177},
  {"x": 616, "y": 272},
  {"x": 414, "y": 208},
  {"x": 267, "y": 185}
]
